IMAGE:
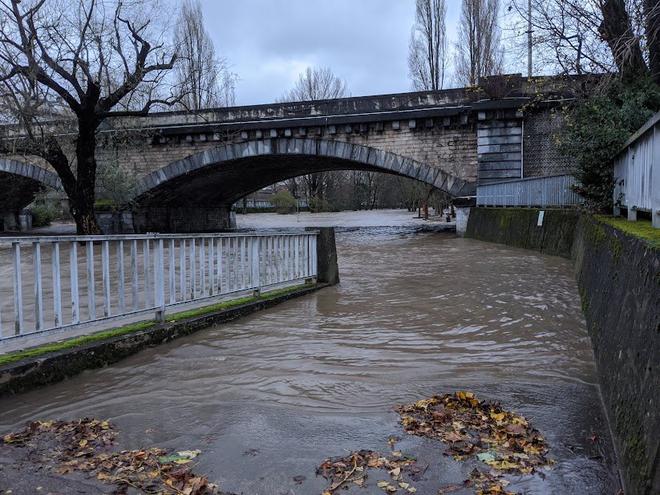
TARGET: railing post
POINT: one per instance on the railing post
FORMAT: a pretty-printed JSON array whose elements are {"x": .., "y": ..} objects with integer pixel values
[
  {"x": 134, "y": 275},
  {"x": 121, "y": 275},
  {"x": 91, "y": 293},
  {"x": 159, "y": 275},
  {"x": 73, "y": 271},
  {"x": 18, "y": 289},
  {"x": 105, "y": 273},
  {"x": 256, "y": 264},
  {"x": 38, "y": 291},
  {"x": 172, "y": 271},
  {"x": 57, "y": 284}
]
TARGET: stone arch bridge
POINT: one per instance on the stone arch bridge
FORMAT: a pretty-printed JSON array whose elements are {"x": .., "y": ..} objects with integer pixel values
[{"x": 188, "y": 168}]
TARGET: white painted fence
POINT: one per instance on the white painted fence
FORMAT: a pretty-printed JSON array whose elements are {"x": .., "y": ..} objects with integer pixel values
[
  {"x": 637, "y": 172},
  {"x": 551, "y": 191},
  {"x": 51, "y": 283}
]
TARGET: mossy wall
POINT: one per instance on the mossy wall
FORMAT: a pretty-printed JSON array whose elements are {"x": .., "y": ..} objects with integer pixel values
[
  {"x": 619, "y": 280},
  {"x": 518, "y": 227},
  {"x": 618, "y": 277}
]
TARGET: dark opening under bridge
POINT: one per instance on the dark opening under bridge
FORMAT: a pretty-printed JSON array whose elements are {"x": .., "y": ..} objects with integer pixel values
[{"x": 190, "y": 167}]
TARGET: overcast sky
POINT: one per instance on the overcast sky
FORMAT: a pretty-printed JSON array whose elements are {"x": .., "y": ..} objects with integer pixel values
[{"x": 269, "y": 42}]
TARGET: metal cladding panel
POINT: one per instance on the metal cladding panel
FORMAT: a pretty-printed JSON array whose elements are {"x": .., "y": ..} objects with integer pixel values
[
  {"x": 499, "y": 145},
  {"x": 637, "y": 173},
  {"x": 537, "y": 191}
]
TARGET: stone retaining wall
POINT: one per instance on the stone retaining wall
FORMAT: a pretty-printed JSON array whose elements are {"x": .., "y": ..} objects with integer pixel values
[{"x": 619, "y": 282}]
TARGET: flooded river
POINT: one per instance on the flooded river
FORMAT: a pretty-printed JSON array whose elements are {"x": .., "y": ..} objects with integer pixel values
[{"x": 267, "y": 398}]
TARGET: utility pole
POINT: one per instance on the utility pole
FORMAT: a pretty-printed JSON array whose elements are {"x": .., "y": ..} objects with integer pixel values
[{"x": 529, "y": 39}]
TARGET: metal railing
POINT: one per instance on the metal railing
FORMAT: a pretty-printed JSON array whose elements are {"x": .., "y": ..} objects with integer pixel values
[
  {"x": 637, "y": 172},
  {"x": 550, "y": 191},
  {"x": 51, "y": 283}
]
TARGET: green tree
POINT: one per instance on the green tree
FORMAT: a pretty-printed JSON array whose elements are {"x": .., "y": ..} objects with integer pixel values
[{"x": 598, "y": 126}]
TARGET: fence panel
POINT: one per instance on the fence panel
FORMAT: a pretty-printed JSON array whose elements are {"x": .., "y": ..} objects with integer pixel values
[
  {"x": 44, "y": 280},
  {"x": 637, "y": 172},
  {"x": 553, "y": 191}
]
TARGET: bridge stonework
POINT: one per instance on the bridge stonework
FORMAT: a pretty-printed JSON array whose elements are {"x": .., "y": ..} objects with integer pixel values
[{"x": 190, "y": 167}]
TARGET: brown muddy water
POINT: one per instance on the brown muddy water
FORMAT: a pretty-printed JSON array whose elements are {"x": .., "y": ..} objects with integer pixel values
[{"x": 269, "y": 397}]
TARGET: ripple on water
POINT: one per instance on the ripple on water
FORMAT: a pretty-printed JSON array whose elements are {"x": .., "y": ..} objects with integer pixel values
[{"x": 415, "y": 314}]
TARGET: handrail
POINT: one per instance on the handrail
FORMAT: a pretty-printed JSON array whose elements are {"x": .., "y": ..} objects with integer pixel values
[{"x": 103, "y": 277}]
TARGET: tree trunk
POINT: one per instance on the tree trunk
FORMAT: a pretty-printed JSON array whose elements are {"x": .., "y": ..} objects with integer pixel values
[
  {"x": 616, "y": 30},
  {"x": 83, "y": 196}
]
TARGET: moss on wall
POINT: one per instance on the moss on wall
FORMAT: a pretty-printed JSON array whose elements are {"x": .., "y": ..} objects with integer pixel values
[{"x": 518, "y": 227}]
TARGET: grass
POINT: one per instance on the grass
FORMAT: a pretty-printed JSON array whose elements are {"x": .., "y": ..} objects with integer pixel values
[
  {"x": 34, "y": 352},
  {"x": 642, "y": 229},
  {"x": 42, "y": 350}
]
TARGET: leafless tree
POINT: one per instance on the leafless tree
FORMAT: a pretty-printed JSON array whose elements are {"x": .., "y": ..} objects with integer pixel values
[
  {"x": 427, "y": 50},
  {"x": 204, "y": 79},
  {"x": 565, "y": 35},
  {"x": 478, "y": 51},
  {"x": 583, "y": 36},
  {"x": 316, "y": 83},
  {"x": 79, "y": 62}
]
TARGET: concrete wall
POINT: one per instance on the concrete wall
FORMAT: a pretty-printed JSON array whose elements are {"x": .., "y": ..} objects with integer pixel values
[
  {"x": 182, "y": 220},
  {"x": 619, "y": 282},
  {"x": 519, "y": 227}
]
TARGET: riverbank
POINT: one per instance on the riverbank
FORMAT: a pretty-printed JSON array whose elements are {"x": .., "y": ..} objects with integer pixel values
[{"x": 617, "y": 268}]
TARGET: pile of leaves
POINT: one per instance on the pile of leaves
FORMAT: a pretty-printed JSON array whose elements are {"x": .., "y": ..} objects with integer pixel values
[
  {"x": 472, "y": 428},
  {"x": 483, "y": 484},
  {"x": 352, "y": 469},
  {"x": 84, "y": 446}
]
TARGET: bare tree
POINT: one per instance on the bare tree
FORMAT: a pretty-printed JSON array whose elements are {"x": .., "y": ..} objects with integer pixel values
[
  {"x": 204, "y": 79},
  {"x": 564, "y": 37},
  {"x": 583, "y": 36},
  {"x": 617, "y": 31},
  {"x": 427, "y": 50},
  {"x": 478, "y": 51},
  {"x": 84, "y": 61},
  {"x": 316, "y": 83}
]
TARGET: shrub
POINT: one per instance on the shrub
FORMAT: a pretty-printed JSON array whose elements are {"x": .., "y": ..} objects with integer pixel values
[
  {"x": 319, "y": 205},
  {"x": 284, "y": 202},
  {"x": 43, "y": 214}
]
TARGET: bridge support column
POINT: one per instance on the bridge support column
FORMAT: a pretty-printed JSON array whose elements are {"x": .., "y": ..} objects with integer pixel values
[
  {"x": 326, "y": 255},
  {"x": 15, "y": 221},
  {"x": 462, "y": 217},
  {"x": 189, "y": 219}
]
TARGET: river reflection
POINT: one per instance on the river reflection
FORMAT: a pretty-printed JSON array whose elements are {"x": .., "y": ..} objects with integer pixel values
[{"x": 268, "y": 397}]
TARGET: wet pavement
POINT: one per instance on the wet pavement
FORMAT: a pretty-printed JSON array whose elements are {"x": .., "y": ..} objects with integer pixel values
[{"x": 269, "y": 397}]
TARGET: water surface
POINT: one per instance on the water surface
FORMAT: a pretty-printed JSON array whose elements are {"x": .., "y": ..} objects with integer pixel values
[{"x": 268, "y": 397}]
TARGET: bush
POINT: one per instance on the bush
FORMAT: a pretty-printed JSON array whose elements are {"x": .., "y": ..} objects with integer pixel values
[
  {"x": 284, "y": 202},
  {"x": 43, "y": 214},
  {"x": 319, "y": 205},
  {"x": 597, "y": 128}
]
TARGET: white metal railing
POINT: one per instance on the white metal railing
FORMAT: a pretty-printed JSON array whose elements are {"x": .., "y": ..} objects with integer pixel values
[
  {"x": 50, "y": 283},
  {"x": 556, "y": 190},
  {"x": 637, "y": 172}
]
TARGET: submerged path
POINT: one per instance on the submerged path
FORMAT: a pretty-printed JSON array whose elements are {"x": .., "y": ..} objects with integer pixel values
[{"x": 269, "y": 397}]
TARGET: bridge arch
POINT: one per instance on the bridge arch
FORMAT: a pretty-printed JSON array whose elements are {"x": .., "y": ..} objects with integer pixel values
[
  {"x": 20, "y": 181},
  {"x": 29, "y": 171},
  {"x": 222, "y": 176}
]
